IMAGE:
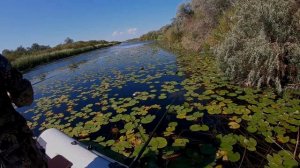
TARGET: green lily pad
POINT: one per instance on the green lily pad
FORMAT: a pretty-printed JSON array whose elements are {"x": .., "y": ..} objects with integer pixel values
[
  {"x": 99, "y": 139},
  {"x": 251, "y": 129},
  {"x": 197, "y": 127},
  {"x": 180, "y": 142},
  {"x": 147, "y": 119},
  {"x": 233, "y": 125},
  {"x": 233, "y": 156},
  {"x": 110, "y": 142},
  {"x": 158, "y": 143}
]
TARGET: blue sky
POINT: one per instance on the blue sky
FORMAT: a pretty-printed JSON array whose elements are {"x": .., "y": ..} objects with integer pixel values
[{"x": 49, "y": 22}]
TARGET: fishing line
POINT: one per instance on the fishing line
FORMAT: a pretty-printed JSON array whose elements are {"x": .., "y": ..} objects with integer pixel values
[
  {"x": 151, "y": 136},
  {"x": 42, "y": 80}
]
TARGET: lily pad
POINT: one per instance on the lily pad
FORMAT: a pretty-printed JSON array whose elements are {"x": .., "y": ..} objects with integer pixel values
[
  {"x": 234, "y": 125},
  {"x": 197, "y": 127},
  {"x": 158, "y": 143},
  {"x": 147, "y": 119},
  {"x": 180, "y": 142}
]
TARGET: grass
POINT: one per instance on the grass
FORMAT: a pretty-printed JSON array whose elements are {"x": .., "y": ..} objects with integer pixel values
[{"x": 30, "y": 61}]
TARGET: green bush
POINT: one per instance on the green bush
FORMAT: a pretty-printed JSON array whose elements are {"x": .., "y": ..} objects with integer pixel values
[{"x": 262, "y": 47}]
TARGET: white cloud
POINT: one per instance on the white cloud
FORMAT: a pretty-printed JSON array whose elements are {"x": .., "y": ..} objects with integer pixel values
[
  {"x": 132, "y": 30},
  {"x": 117, "y": 33}
]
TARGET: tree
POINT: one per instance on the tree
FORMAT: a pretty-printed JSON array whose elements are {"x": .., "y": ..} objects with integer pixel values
[
  {"x": 6, "y": 52},
  {"x": 185, "y": 10},
  {"x": 21, "y": 49},
  {"x": 37, "y": 47},
  {"x": 68, "y": 40}
]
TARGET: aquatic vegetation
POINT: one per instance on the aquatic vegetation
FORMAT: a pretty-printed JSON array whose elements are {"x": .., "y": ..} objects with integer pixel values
[
  {"x": 282, "y": 158},
  {"x": 180, "y": 142},
  {"x": 158, "y": 143},
  {"x": 117, "y": 106},
  {"x": 197, "y": 127},
  {"x": 170, "y": 129},
  {"x": 147, "y": 119}
]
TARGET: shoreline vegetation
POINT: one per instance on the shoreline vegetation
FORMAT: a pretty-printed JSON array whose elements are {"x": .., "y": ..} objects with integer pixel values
[
  {"x": 256, "y": 43},
  {"x": 26, "y": 59},
  {"x": 245, "y": 55}
]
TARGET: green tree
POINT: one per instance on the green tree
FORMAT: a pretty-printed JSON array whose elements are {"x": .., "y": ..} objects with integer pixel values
[{"x": 68, "y": 40}]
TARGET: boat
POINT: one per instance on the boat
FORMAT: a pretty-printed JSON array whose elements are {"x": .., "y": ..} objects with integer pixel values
[{"x": 65, "y": 152}]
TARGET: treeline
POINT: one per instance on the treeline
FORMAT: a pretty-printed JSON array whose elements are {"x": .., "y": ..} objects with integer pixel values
[
  {"x": 26, "y": 58},
  {"x": 256, "y": 42}
]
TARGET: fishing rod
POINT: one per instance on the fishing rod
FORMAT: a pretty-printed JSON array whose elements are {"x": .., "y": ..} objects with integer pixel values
[
  {"x": 42, "y": 80},
  {"x": 132, "y": 164}
]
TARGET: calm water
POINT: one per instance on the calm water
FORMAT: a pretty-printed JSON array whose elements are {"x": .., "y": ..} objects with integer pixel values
[{"x": 132, "y": 83}]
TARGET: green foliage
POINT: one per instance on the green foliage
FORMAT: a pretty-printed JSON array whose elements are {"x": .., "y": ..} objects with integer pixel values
[
  {"x": 192, "y": 25},
  {"x": 68, "y": 40},
  {"x": 262, "y": 48},
  {"x": 158, "y": 143},
  {"x": 282, "y": 159},
  {"x": 24, "y": 59},
  {"x": 197, "y": 127},
  {"x": 256, "y": 42},
  {"x": 180, "y": 142}
]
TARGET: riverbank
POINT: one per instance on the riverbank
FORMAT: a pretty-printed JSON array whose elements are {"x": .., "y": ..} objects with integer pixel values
[
  {"x": 256, "y": 43},
  {"x": 28, "y": 62}
]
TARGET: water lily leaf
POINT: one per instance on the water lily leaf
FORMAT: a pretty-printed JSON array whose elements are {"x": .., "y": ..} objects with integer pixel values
[
  {"x": 148, "y": 119},
  {"x": 234, "y": 125},
  {"x": 251, "y": 129},
  {"x": 129, "y": 126},
  {"x": 191, "y": 118},
  {"x": 197, "y": 127},
  {"x": 180, "y": 142},
  {"x": 232, "y": 94},
  {"x": 283, "y": 139},
  {"x": 233, "y": 156},
  {"x": 116, "y": 118},
  {"x": 158, "y": 143},
  {"x": 110, "y": 142},
  {"x": 162, "y": 96},
  {"x": 198, "y": 114},
  {"x": 181, "y": 116},
  {"x": 208, "y": 92},
  {"x": 99, "y": 139},
  {"x": 227, "y": 142},
  {"x": 250, "y": 143},
  {"x": 173, "y": 124},
  {"x": 282, "y": 159}
]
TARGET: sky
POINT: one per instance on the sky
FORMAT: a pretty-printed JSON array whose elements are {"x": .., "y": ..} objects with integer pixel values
[{"x": 49, "y": 22}]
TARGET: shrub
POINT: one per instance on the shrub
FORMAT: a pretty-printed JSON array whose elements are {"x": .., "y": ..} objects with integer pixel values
[{"x": 262, "y": 47}]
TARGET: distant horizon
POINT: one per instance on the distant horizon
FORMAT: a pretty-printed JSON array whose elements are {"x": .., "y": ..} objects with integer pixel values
[{"x": 51, "y": 22}]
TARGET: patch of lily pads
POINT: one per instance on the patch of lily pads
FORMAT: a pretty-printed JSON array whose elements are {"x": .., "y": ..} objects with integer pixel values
[{"x": 102, "y": 107}]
